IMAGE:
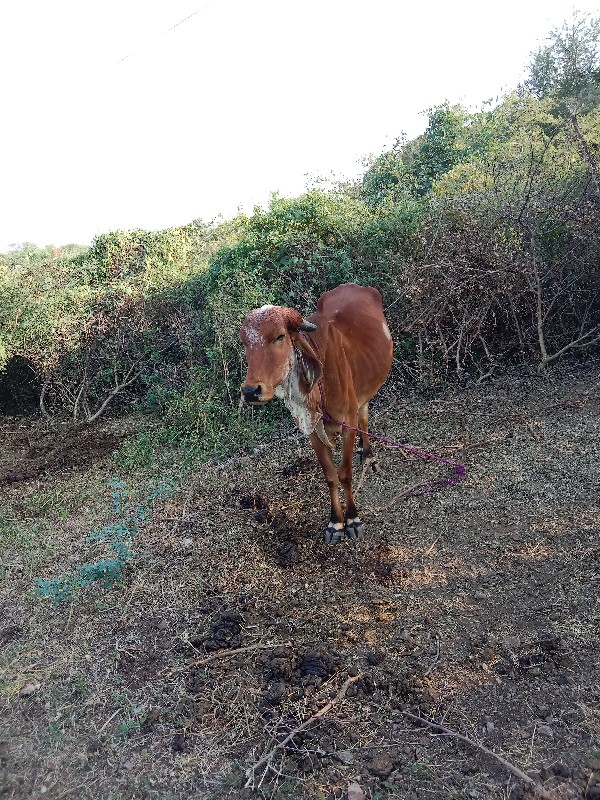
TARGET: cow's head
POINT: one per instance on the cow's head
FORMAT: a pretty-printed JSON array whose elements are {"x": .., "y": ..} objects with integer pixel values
[{"x": 273, "y": 345}]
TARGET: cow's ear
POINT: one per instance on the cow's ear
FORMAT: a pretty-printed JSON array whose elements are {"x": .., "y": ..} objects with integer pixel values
[{"x": 308, "y": 362}]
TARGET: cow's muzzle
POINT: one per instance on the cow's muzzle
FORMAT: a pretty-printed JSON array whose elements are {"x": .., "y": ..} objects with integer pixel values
[{"x": 252, "y": 395}]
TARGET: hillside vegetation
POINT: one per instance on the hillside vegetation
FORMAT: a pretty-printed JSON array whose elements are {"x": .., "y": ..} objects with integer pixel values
[
  {"x": 482, "y": 235},
  {"x": 172, "y": 624}
]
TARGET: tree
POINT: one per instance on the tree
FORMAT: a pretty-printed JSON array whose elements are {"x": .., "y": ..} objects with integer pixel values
[
  {"x": 568, "y": 67},
  {"x": 441, "y": 147}
]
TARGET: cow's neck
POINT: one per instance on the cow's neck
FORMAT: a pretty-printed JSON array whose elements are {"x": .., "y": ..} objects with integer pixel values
[{"x": 304, "y": 408}]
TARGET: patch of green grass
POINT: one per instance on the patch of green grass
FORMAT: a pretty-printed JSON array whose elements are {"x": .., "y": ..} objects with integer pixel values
[
  {"x": 23, "y": 547},
  {"x": 138, "y": 452},
  {"x": 61, "y": 500},
  {"x": 128, "y": 727}
]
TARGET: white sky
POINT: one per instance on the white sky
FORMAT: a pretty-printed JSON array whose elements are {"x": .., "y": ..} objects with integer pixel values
[{"x": 244, "y": 98}]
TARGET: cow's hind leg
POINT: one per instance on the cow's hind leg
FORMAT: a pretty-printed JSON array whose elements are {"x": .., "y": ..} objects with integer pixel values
[
  {"x": 364, "y": 448},
  {"x": 366, "y": 451},
  {"x": 354, "y": 526},
  {"x": 335, "y": 530}
]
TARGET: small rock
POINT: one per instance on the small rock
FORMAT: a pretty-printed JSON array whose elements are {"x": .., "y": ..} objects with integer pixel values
[
  {"x": 355, "y": 792},
  {"x": 549, "y": 643},
  {"x": 186, "y": 544},
  {"x": 29, "y": 688},
  {"x": 545, "y": 730},
  {"x": 344, "y": 756}
]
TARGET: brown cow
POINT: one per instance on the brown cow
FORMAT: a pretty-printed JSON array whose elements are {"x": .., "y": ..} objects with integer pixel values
[{"x": 336, "y": 360}]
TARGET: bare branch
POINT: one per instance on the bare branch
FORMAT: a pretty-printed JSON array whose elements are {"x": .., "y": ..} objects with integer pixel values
[
  {"x": 538, "y": 788},
  {"x": 129, "y": 378},
  {"x": 227, "y": 654},
  {"x": 577, "y": 343},
  {"x": 281, "y": 745}
]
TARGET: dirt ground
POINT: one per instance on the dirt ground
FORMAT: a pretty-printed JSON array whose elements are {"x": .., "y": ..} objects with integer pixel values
[{"x": 476, "y": 608}]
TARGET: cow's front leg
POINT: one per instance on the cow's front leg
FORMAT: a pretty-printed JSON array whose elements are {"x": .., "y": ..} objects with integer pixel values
[
  {"x": 353, "y": 524},
  {"x": 335, "y": 530}
]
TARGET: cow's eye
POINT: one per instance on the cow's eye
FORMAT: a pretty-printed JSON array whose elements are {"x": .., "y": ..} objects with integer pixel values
[{"x": 280, "y": 338}]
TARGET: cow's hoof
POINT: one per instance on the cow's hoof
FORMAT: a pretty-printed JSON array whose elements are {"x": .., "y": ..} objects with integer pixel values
[
  {"x": 334, "y": 533},
  {"x": 365, "y": 455},
  {"x": 355, "y": 529}
]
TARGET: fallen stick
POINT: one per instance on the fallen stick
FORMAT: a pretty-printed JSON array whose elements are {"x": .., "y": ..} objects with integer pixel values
[
  {"x": 365, "y": 469},
  {"x": 226, "y": 654},
  {"x": 394, "y": 500},
  {"x": 537, "y": 788},
  {"x": 320, "y": 713}
]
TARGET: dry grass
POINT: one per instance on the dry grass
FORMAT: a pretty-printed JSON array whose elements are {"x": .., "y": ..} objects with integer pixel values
[{"x": 477, "y": 608}]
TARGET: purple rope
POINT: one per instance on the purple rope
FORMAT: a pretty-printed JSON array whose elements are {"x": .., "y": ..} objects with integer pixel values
[{"x": 429, "y": 487}]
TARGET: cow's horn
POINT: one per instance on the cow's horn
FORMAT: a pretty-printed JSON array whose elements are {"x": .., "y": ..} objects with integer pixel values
[{"x": 307, "y": 326}]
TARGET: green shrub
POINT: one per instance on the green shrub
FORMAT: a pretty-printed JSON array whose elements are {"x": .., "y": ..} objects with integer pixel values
[{"x": 117, "y": 537}]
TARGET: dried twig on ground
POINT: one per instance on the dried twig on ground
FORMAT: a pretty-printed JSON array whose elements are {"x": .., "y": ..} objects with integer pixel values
[
  {"x": 404, "y": 493},
  {"x": 363, "y": 473},
  {"x": 537, "y": 788},
  {"x": 228, "y": 654},
  {"x": 436, "y": 657},
  {"x": 281, "y": 745}
]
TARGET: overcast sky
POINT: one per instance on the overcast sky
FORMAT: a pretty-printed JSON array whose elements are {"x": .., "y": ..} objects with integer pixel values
[{"x": 115, "y": 116}]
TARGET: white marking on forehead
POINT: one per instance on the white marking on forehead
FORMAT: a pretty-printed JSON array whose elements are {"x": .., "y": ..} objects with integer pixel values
[
  {"x": 253, "y": 323},
  {"x": 386, "y": 330},
  {"x": 253, "y": 336}
]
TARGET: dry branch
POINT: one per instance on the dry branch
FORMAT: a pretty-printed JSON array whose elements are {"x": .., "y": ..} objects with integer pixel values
[
  {"x": 537, "y": 788},
  {"x": 128, "y": 379},
  {"x": 400, "y": 496},
  {"x": 228, "y": 654},
  {"x": 281, "y": 745}
]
